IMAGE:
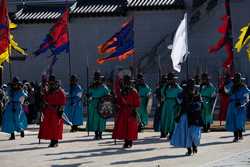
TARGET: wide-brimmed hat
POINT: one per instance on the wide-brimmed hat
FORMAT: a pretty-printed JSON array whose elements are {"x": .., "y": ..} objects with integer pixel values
[
  {"x": 127, "y": 78},
  {"x": 52, "y": 78},
  {"x": 16, "y": 80},
  {"x": 171, "y": 76},
  {"x": 98, "y": 75},
  {"x": 238, "y": 76},
  {"x": 205, "y": 75},
  {"x": 73, "y": 78},
  {"x": 140, "y": 76}
]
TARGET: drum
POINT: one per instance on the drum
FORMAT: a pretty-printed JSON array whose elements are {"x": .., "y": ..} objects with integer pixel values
[{"x": 106, "y": 107}]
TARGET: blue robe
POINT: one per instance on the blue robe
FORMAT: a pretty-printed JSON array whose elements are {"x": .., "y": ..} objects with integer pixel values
[
  {"x": 74, "y": 106},
  {"x": 187, "y": 131},
  {"x": 236, "y": 116},
  {"x": 14, "y": 118}
]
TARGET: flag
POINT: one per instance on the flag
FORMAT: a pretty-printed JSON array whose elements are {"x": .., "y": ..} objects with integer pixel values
[
  {"x": 120, "y": 46},
  {"x": 225, "y": 42},
  {"x": 57, "y": 40},
  {"x": 244, "y": 38},
  {"x": 180, "y": 45},
  {"x": 13, "y": 44},
  {"x": 4, "y": 32},
  {"x": 12, "y": 25}
]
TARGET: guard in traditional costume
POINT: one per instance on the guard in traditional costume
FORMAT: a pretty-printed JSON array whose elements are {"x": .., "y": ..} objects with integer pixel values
[
  {"x": 224, "y": 98},
  {"x": 95, "y": 121},
  {"x": 187, "y": 132},
  {"x": 14, "y": 118},
  {"x": 126, "y": 125},
  {"x": 51, "y": 126},
  {"x": 144, "y": 92},
  {"x": 74, "y": 106},
  {"x": 208, "y": 94},
  {"x": 236, "y": 114},
  {"x": 170, "y": 106},
  {"x": 159, "y": 98}
]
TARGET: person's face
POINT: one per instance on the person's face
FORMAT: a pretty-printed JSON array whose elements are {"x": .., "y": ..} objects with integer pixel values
[
  {"x": 73, "y": 82},
  {"x": 237, "y": 80},
  {"x": 204, "y": 80},
  {"x": 14, "y": 85},
  {"x": 52, "y": 85}
]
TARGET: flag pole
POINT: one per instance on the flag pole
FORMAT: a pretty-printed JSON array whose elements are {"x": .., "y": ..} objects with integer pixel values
[
  {"x": 230, "y": 34},
  {"x": 187, "y": 56},
  {"x": 87, "y": 85}
]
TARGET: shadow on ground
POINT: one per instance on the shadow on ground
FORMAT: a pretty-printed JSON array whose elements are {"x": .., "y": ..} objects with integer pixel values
[{"x": 151, "y": 159}]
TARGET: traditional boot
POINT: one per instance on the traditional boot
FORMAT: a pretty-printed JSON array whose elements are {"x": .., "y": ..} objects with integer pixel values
[
  {"x": 100, "y": 135},
  {"x": 96, "y": 135},
  {"x": 22, "y": 134},
  {"x": 189, "y": 152},
  {"x": 126, "y": 144},
  {"x": 130, "y": 143},
  {"x": 53, "y": 143},
  {"x": 236, "y": 136},
  {"x": 163, "y": 135},
  {"x": 240, "y": 135},
  {"x": 12, "y": 136},
  {"x": 195, "y": 150}
]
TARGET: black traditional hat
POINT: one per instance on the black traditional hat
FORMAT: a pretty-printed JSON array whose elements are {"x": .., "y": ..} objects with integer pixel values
[
  {"x": 238, "y": 76},
  {"x": 73, "y": 78},
  {"x": 52, "y": 78},
  {"x": 171, "y": 76}
]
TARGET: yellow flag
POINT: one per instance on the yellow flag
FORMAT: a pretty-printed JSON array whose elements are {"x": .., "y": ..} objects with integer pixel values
[
  {"x": 248, "y": 52},
  {"x": 243, "y": 39},
  {"x": 12, "y": 25},
  {"x": 5, "y": 56},
  {"x": 15, "y": 46}
]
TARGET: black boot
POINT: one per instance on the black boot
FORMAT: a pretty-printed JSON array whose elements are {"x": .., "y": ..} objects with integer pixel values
[
  {"x": 205, "y": 129},
  {"x": 53, "y": 143},
  {"x": 72, "y": 129},
  {"x": 126, "y": 144},
  {"x": 130, "y": 143},
  {"x": 100, "y": 135},
  {"x": 163, "y": 135},
  {"x": 208, "y": 127},
  {"x": 189, "y": 152},
  {"x": 139, "y": 128},
  {"x": 170, "y": 136},
  {"x": 236, "y": 136},
  {"x": 240, "y": 134},
  {"x": 195, "y": 150},
  {"x": 22, "y": 134},
  {"x": 12, "y": 136},
  {"x": 96, "y": 135}
]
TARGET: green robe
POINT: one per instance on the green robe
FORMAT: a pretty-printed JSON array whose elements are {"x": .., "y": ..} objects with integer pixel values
[
  {"x": 170, "y": 108},
  {"x": 144, "y": 92},
  {"x": 95, "y": 121},
  {"x": 207, "y": 93}
]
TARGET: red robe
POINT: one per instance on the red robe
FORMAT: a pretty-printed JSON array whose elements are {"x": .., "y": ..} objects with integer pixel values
[
  {"x": 224, "y": 102},
  {"x": 126, "y": 124},
  {"x": 51, "y": 127}
]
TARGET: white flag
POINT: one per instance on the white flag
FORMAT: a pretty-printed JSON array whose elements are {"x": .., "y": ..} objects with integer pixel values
[{"x": 180, "y": 45}]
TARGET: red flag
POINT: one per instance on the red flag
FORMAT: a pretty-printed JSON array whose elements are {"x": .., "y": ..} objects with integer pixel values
[
  {"x": 4, "y": 27},
  {"x": 57, "y": 40},
  {"x": 225, "y": 42}
]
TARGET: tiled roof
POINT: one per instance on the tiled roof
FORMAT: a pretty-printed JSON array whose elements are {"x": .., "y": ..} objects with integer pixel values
[{"x": 88, "y": 8}]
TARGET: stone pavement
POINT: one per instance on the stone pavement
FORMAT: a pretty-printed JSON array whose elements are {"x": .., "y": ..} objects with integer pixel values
[{"x": 79, "y": 150}]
